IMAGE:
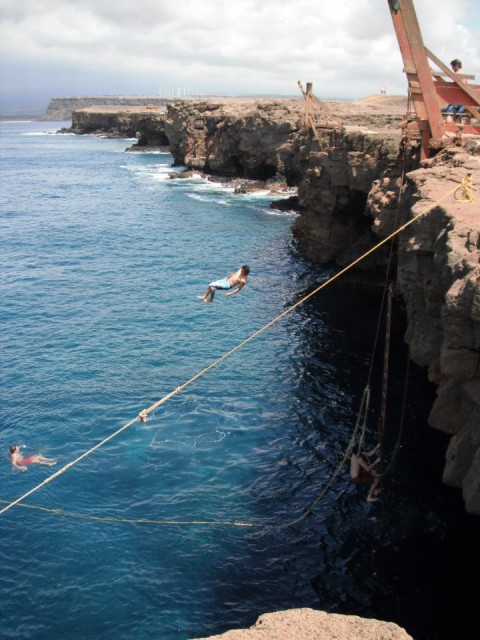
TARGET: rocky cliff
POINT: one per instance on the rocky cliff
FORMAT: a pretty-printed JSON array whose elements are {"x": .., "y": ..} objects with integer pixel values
[
  {"x": 356, "y": 183},
  {"x": 60, "y": 109},
  {"x": 439, "y": 275},
  {"x": 146, "y": 124}
]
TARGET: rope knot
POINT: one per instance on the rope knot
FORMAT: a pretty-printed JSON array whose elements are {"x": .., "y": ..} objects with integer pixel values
[
  {"x": 142, "y": 416},
  {"x": 466, "y": 190}
]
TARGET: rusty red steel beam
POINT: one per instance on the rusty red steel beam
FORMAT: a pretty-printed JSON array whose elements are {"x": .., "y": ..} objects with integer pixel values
[{"x": 415, "y": 58}]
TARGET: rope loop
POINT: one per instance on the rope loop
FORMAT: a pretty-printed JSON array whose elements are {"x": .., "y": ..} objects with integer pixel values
[{"x": 464, "y": 192}]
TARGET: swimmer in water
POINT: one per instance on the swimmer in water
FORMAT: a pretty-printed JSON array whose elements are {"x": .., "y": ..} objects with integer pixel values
[{"x": 20, "y": 462}]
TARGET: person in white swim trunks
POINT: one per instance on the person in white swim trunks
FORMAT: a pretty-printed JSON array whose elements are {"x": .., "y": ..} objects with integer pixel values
[{"x": 235, "y": 281}]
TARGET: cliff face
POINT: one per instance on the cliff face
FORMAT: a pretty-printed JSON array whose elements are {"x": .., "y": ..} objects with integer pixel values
[
  {"x": 352, "y": 194},
  {"x": 59, "y": 109},
  {"x": 147, "y": 124},
  {"x": 439, "y": 273},
  {"x": 249, "y": 139},
  {"x": 334, "y": 170},
  {"x": 339, "y": 171}
]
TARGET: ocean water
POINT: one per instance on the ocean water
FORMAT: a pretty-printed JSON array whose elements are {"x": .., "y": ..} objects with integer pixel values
[{"x": 102, "y": 258}]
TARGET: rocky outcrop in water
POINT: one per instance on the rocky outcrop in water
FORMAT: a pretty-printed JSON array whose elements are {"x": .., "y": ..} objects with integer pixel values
[
  {"x": 334, "y": 170},
  {"x": 308, "y": 624},
  {"x": 239, "y": 138},
  {"x": 351, "y": 195},
  {"x": 60, "y": 109},
  {"x": 146, "y": 124}
]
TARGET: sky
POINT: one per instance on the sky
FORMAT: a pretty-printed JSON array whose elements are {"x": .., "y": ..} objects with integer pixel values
[{"x": 346, "y": 48}]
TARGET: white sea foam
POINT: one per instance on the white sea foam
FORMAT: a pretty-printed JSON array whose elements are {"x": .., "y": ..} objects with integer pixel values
[
  {"x": 204, "y": 198},
  {"x": 281, "y": 213},
  {"x": 202, "y": 189},
  {"x": 154, "y": 173},
  {"x": 14, "y": 121},
  {"x": 153, "y": 152},
  {"x": 43, "y": 133}
]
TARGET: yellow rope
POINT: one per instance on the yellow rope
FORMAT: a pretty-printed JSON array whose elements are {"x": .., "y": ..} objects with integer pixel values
[
  {"x": 466, "y": 190},
  {"x": 79, "y": 516},
  {"x": 143, "y": 414}
]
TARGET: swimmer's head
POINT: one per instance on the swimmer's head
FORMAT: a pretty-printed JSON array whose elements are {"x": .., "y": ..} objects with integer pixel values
[
  {"x": 13, "y": 448},
  {"x": 246, "y": 269}
]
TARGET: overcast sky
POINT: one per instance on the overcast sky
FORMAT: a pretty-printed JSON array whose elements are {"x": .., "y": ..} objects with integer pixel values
[{"x": 347, "y": 48}]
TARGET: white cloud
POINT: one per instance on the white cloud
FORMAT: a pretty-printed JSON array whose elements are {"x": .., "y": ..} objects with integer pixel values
[{"x": 347, "y": 48}]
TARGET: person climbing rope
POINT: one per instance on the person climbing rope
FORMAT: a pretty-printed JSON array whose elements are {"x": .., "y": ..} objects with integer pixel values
[{"x": 362, "y": 472}]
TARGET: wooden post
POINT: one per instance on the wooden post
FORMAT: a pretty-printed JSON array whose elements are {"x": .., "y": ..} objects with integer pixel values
[{"x": 308, "y": 104}]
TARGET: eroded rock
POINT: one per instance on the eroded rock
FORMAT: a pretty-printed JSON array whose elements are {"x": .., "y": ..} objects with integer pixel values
[{"x": 308, "y": 624}]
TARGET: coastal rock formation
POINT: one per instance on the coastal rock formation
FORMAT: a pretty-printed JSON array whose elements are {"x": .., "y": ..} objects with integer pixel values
[
  {"x": 308, "y": 624},
  {"x": 439, "y": 274},
  {"x": 146, "y": 124},
  {"x": 339, "y": 171},
  {"x": 333, "y": 170},
  {"x": 355, "y": 184},
  {"x": 59, "y": 109},
  {"x": 253, "y": 140}
]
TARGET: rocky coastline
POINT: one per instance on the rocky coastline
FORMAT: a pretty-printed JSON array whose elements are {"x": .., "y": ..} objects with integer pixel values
[{"x": 355, "y": 182}]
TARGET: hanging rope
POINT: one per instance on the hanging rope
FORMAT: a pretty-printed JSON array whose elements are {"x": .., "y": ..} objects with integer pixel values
[
  {"x": 361, "y": 420},
  {"x": 386, "y": 360},
  {"x": 386, "y": 289},
  {"x": 143, "y": 414},
  {"x": 391, "y": 464},
  {"x": 363, "y": 416}
]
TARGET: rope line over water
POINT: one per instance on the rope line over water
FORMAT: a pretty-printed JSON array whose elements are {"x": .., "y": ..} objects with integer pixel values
[
  {"x": 143, "y": 414},
  {"x": 111, "y": 519}
]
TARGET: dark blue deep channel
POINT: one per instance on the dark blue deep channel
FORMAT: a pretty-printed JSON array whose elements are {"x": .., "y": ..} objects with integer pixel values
[{"x": 102, "y": 258}]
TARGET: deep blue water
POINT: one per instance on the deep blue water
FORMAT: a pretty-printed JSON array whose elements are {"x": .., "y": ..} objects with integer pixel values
[{"x": 102, "y": 257}]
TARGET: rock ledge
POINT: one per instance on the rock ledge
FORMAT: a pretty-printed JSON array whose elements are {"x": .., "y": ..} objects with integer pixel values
[{"x": 308, "y": 624}]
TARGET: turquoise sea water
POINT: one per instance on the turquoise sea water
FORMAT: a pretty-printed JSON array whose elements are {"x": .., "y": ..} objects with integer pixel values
[{"x": 102, "y": 258}]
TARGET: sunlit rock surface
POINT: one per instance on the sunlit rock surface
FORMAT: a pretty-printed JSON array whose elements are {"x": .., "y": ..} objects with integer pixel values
[{"x": 308, "y": 624}]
